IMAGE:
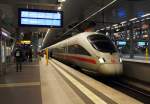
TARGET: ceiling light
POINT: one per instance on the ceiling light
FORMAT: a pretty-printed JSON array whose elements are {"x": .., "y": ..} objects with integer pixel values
[
  {"x": 123, "y": 22},
  {"x": 148, "y": 14},
  {"x": 48, "y": 30},
  {"x": 147, "y": 18},
  {"x": 137, "y": 21},
  {"x": 102, "y": 29},
  {"x": 59, "y": 8},
  {"x": 108, "y": 27},
  {"x": 145, "y": 36},
  {"x": 117, "y": 30},
  {"x": 128, "y": 38},
  {"x": 115, "y": 25},
  {"x": 132, "y": 19},
  {"x": 5, "y": 34},
  {"x": 60, "y": 1}
]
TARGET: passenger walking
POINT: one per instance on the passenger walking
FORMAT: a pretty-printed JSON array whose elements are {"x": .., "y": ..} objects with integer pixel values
[{"x": 19, "y": 59}]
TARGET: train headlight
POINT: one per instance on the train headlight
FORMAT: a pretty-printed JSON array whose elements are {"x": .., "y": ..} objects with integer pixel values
[
  {"x": 101, "y": 60},
  {"x": 120, "y": 60}
]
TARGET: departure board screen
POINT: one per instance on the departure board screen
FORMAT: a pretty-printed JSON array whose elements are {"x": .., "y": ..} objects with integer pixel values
[
  {"x": 40, "y": 18},
  {"x": 141, "y": 43},
  {"x": 121, "y": 43}
]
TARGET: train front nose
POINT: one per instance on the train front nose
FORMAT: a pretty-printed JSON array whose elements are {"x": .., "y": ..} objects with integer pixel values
[
  {"x": 110, "y": 64},
  {"x": 111, "y": 69}
]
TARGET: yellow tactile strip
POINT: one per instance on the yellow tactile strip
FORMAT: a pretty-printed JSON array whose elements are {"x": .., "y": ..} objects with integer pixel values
[{"x": 20, "y": 84}]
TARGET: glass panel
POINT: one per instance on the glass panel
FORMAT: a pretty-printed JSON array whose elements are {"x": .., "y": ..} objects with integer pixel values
[
  {"x": 102, "y": 43},
  {"x": 77, "y": 49}
]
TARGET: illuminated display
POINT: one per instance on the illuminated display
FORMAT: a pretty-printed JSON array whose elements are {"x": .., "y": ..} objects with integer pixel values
[
  {"x": 40, "y": 18},
  {"x": 25, "y": 42},
  {"x": 141, "y": 43},
  {"x": 121, "y": 42}
]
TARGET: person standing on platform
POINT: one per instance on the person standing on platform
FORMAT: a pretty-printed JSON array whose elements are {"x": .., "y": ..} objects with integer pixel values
[{"x": 19, "y": 59}]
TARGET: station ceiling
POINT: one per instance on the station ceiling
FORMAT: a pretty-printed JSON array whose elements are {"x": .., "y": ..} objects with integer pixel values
[{"x": 74, "y": 12}]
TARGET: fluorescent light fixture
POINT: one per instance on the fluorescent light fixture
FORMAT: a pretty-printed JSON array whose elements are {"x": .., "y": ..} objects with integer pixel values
[
  {"x": 5, "y": 34},
  {"x": 115, "y": 25},
  {"x": 137, "y": 21},
  {"x": 61, "y": 1},
  {"x": 112, "y": 27},
  {"x": 117, "y": 30},
  {"x": 59, "y": 8},
  {"x": 123, "y": 22},
  {"x": 148, "y": 18},
  {"x": 133, "y": 19},
  {"x": 108, "y": 27},
  {"x": 48, "y": 30},
  {"x": 102, "y": 29},
  {"x": 148, "y": 14},
  {"x": 128, "y": 38}
]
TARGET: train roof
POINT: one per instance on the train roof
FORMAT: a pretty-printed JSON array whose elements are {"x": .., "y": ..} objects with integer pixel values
[{"x": 76, "y": 37}]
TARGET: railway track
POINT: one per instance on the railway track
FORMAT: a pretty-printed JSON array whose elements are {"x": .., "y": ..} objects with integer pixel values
[{"x": 118, "y": 84}]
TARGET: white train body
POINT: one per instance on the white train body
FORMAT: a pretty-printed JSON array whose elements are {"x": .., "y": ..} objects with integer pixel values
[{"x": 91, "y": 51}]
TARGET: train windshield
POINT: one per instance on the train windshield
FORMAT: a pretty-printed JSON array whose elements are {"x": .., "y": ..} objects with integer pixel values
[{"x": 102, "y": 43}]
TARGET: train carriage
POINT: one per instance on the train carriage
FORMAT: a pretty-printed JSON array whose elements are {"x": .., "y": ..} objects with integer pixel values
[{"x": 91, "y": 51}]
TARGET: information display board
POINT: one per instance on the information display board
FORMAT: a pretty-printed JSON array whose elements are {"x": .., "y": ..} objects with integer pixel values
[
  {"x": 142, "y": 43},
  {"x": 40, "y": 18},
  {"x": 121, "y": 43}
]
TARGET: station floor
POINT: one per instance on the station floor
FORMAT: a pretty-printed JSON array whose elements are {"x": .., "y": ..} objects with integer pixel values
[{"x": 56, "y": 83}]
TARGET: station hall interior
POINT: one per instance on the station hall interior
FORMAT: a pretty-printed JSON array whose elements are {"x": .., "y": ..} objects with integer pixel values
[{"x": 74, "y": 52}]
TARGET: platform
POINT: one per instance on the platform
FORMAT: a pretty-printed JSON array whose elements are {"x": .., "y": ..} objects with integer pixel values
[
  {"x": 21, "y": 87},
  {"x": 63, "y": 85},
  {"x": 56, "y": 83}
]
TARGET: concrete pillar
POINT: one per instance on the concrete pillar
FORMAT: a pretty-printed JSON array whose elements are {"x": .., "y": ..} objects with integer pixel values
[
  {"x": 131, "y": 15},
  {"x": 131, "y": 40},
  {"x": 34, "y": 40}
]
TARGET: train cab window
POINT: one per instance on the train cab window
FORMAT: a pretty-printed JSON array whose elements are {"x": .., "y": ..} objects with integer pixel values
[
  {"x": 102, "y": 43},
  {"x": 77, "y": 49}
]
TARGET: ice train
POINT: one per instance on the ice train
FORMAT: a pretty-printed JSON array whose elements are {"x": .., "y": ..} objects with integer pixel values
[{"x": 91, "y": 51}]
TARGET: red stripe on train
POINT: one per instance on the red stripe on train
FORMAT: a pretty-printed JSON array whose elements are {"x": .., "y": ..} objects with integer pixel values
[{"x": 81, "y": 59}]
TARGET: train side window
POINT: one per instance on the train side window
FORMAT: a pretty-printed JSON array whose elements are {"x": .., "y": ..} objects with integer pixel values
[
  {"x": 59, "y": 50},
  {"x": 50, "y": 53},
  {"x": 77, "y": 49}
]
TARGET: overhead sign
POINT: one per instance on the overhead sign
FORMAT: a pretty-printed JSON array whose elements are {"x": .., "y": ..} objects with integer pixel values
[
  {"x": 61, "y": 1},
  {"x": 40, "y": 18},
  {"x": 121, "y": 43},
  {"x": 25, "y": 42}
]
